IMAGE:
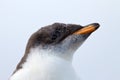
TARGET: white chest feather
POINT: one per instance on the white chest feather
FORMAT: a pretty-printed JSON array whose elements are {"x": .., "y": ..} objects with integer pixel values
[{"x": 45, "y": 67}]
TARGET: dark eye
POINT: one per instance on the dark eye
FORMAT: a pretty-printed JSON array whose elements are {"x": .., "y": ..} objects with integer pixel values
[
  {"x": 54, "y": 37},
  {"x": 56, "y": 34}
]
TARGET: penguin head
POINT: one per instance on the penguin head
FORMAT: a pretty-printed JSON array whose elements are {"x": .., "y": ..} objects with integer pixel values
[{"x": 59, "y": 38}]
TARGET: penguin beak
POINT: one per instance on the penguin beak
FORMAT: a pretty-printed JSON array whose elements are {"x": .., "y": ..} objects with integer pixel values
[{"x": 87, "y": 29}]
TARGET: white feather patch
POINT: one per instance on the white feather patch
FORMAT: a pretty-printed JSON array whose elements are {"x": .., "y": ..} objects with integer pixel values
[{"x": 41, "y": 65}]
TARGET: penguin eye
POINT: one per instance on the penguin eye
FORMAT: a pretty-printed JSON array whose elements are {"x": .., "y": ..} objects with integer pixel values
[
  {"x": 54, "y": 37},
  {"x": 56, "y": 34}
]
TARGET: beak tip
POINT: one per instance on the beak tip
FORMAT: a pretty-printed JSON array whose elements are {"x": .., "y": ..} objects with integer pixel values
[{"x": 96, "y": 25}]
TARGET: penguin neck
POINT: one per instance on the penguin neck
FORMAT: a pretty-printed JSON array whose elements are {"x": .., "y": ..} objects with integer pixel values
[
  {"x": 47, "y": 65},
  {"x": 50, "y": 54},
  {"x": 41, "y": 65}
]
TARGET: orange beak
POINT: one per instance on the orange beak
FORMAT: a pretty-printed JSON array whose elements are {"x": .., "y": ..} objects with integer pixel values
[{"x": 89, "y": 29}]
